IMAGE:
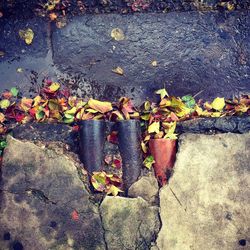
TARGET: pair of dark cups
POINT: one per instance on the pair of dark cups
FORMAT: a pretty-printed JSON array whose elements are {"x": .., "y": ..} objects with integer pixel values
[{"x": 93, "y": 134}]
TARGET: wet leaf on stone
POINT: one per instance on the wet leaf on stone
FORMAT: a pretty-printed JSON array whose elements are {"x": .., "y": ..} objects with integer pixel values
[
  {"x": 118, "y": 70},
  {"x": 117, "y": 34},
  {"x": 154, "y": 63},
  {"x": 75, "y": 215},
  {"x": 27, "y": 35}
]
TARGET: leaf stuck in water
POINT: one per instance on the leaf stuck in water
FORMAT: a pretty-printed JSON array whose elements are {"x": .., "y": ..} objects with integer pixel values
[{"x": 27, "y": 35}]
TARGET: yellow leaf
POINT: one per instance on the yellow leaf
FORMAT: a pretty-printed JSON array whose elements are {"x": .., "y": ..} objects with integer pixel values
[
  {"x": 170, "y": 132},
  {"x": 154, "y": 63},
  {"x": 54, "y": 87},
  {"x": 113, "y": 190},
  {"x": 37, "y": 100},
  {"x": 218, "y": 103},
  {"x": 117, "y": 34},
  {"x": 118, "y": 70},
  {"x": 241, "y": 108},
  {"x": 27, "y": 35},
  {"x": 154, "y": 127},
  {"x": 162, "y": 92},
  {"x": 26, "y": 103},
  {"x": 147, "y": 105},
  {"x": 4, "y": 104},
  {"x": 2, "y": 117},
  {"x": 215, "y": 114},
  {"x": 102, "y": 107},
  {"x": 144, "y": 147}
]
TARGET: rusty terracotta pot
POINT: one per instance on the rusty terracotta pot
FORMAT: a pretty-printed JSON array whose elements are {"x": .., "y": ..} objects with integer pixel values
[{"x": 164, "y": 153}]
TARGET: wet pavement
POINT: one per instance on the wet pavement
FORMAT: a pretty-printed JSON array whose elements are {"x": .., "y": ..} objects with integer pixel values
[{"x": 187, "y": 52}]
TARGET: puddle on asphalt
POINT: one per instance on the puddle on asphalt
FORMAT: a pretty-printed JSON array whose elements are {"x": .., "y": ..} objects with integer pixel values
[{"x": 26, "y": 72}]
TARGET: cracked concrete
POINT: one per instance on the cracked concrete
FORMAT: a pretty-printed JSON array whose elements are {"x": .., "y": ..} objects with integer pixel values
[{"x": 206, "y": 204}]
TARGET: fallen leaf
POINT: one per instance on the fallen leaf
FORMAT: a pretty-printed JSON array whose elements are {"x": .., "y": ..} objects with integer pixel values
[
  {"x": 4, "y": 104},
  {"x": 154, "y": 63},
  {"x": 118, "y": 70},
  {"x": 19, "y": 70},
  {"x": 75, "y": 215},
  {"x": 149, "y": 161},
  {"x": 26, "y": 103},
  {"x": 218, "y": 103},
  {"x": 144, "y": 147},
  {"x": 189, "y": 101},
  {"x": 154, "y": 127},
  {"x": 2, "y": 117},
  {"x": 102, "y": 107},
  {"x": 27, "y": 35},
  {"x": 98, "y": 180},
  {"x": 53, "y": 16},
  {"x": 112, "y": 137},
  {"x": 117, "y": 34},
  {"x": 113, "y": 190},
  {"x": 14, "y": 91},
  {"x": 162, "y": 93},
  {"x": 117, "y": 163}
]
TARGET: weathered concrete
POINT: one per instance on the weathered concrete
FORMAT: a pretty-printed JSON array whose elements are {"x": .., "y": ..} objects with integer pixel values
[
  {"x": 146, "y": 187},
  {"x": 195, "y": 52},
  {"x": 40, "y": 188},
  {"x": 233, "y": 124},
  {"x": 206, "y": 204},
  {"x": 129, "y": 223}
]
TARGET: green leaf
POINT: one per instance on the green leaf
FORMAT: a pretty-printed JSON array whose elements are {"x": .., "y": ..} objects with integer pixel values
[
  {"x": 189, "y": 101},
  {"x": 14, "y": 91},
  {"x": 149, "y": 161},
  {"x": 3, "y": 145}
]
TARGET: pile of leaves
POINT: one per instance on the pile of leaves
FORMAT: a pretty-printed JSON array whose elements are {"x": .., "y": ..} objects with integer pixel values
[{"x": 158, "y": 120}]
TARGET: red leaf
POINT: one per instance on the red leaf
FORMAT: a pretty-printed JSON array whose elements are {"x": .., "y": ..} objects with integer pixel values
[
  {"x": 19, "y": 117},
  {"x": 75, "y": 128},
  {"x": 117, "y": 163},
  {"x": 112, "y": 138},
  {"x": 75, "y": 215}
]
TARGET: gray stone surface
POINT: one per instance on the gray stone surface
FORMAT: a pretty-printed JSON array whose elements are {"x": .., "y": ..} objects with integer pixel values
[
  {"x": 146, "y": 187},
  {"x": 129, "y": 223},
  {"x": 40, "y": 188},
  {"x": 234, "y": 124},
  {"x": 195, "y": 52},
  {"x": 206, "y": 204}
]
